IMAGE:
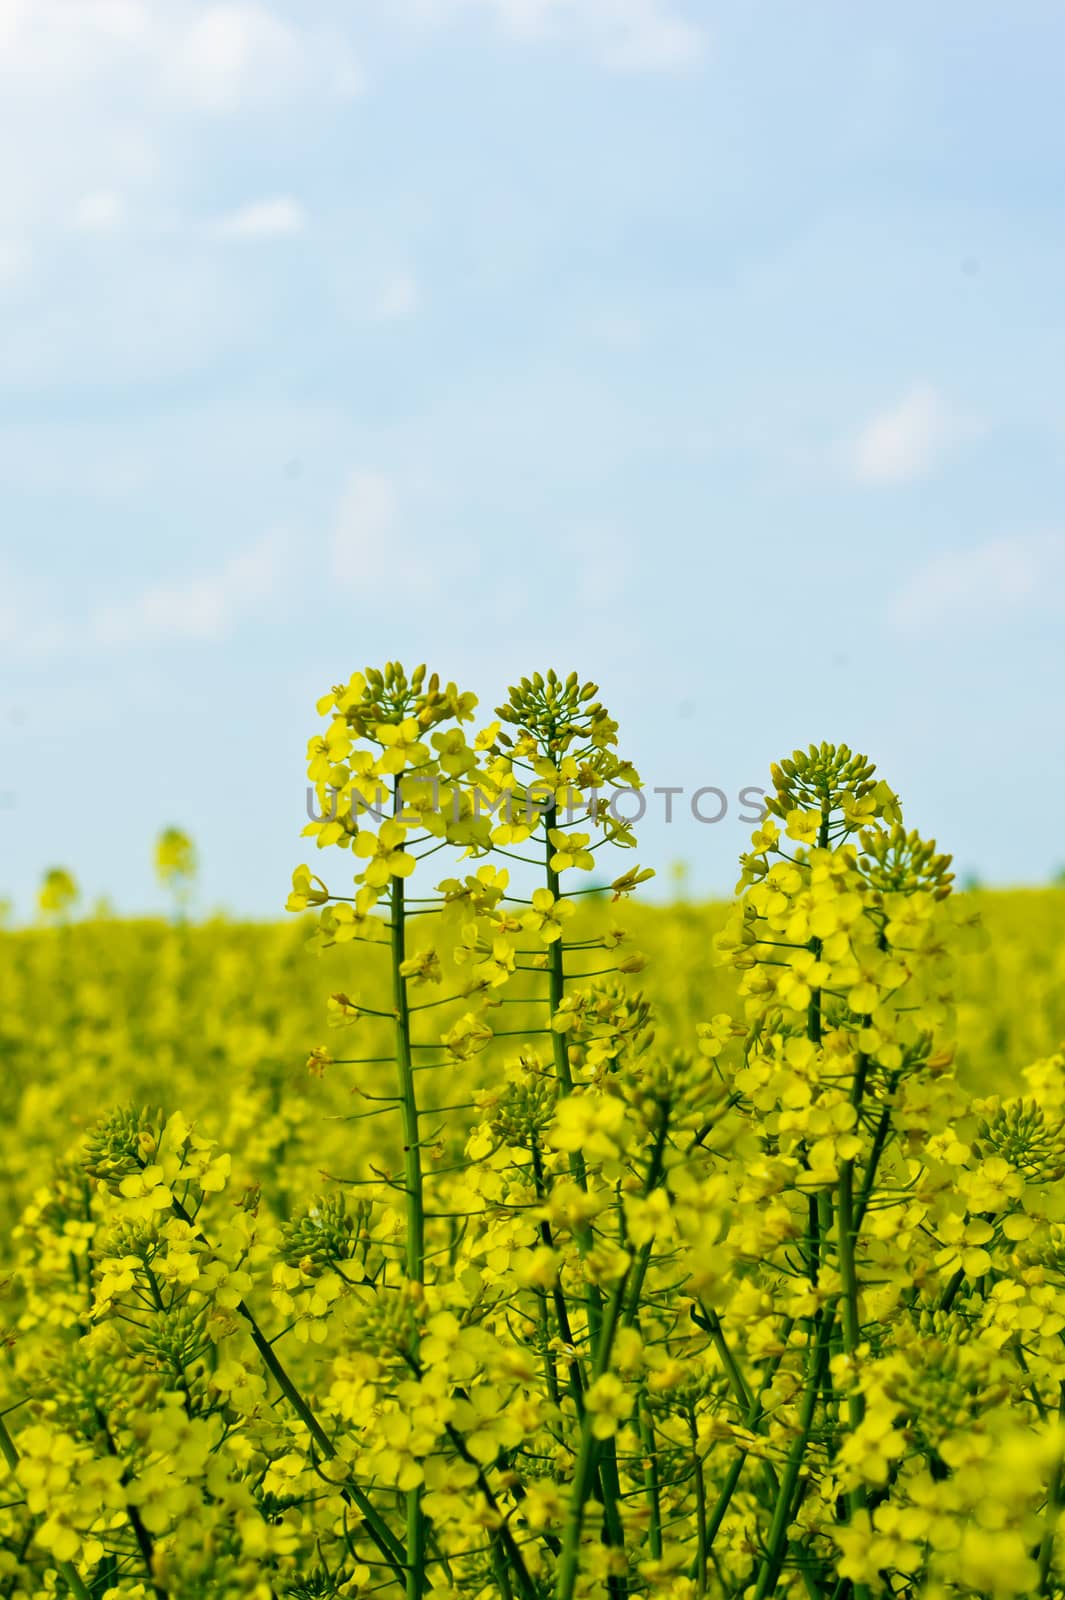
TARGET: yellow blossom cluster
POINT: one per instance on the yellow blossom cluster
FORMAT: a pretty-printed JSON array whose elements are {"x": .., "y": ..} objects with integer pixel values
[{"x": 533, "y": 1281}]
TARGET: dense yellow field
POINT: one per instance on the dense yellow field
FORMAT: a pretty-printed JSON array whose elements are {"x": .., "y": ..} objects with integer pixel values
[
  {"x": 528, "y": 1243},
  {"x": 218, "y": 1019}
]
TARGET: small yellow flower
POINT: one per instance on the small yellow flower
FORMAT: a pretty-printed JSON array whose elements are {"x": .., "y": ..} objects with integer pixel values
[
  {"x": 609, "y": 1403},
  {"x": 384, "y": 853},
  {"x": 571, "y": 850},
  {"x": 547, "y": 916}
]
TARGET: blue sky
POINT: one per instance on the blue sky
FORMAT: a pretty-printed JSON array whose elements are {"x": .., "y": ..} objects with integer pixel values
[{"x": 712, "y": 349}]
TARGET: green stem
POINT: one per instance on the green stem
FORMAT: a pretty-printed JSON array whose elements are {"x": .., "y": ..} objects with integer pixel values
[
  {"x": 847, "y": 1241},
  {"x": 700, "y": 1509},
  {"x": 379, "y": 1530},
  {"x": 1054, "y": 1500},
  {"x": 412, "y": 1154},
  {"x": 582, "y": 1482},
  {"x": 589, "y": 1452},
  {"x": 556, "y": 974},
  {"x": 651, "y": 1482},
  {"x": 745, "y": 1404},
  {"x": 848, "y": 1273},
  {"x": 880, "y": 1137},
  {"x": 721, "y": 1505},
  {"x": 732, "y": 1478},
  {"x": 776, "y": 1547},
  {"x": 852, "y": 1333},
  {"x": 590, "y": 1449},
  {"x": 1046, "y": 1548},
  {"x": 144, "y": 1540},
  {"x": 556, "y": 977}
]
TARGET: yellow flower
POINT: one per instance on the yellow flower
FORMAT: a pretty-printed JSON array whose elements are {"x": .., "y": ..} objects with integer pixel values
[
  {"x": 547, "y": 916},
  {"x": 307, "y": 890},
  {"x": 401, "y": 746},
  {"x": 385, "y": 854},
  {"x": 453, "y": 753},
  {"x": 803, "y": 826},
  {"x": 592, "y": 1123},
  {"x": 341, "y": 1011},
  {"x": 469, "y": 1035},
  {"x": 570, "y": 850},
  {"x": 628, "y": 881},
  {"x": 422, "y": 968},
  {"x": 58, "y": 893},
  {"x": 609, "y": 1403}
]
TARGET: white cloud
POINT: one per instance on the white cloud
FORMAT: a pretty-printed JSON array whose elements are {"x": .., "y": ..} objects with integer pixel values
[
  {"x": 160, "y": 100},
  {"x": 219, "y": 57},
  {"x": 35, "y": 624},
  {"x": 365, "y": 531},
  {"x": 209, "y": 607},
  {"x": 14, "y": 261},
  {"x": 229, "y": 51},
  {"x": 99, "y": 211},
  {"x": 903, "y": 442},
  {"x": 240, "y": 54},
  {"x": 646, "y": 38},
  {"x": 57, "y": 40},
  {"x": 400, "y": 298},
  {"x": 627, "y": 35},
  {"x": 134, "y": 79},
  {"x": 276, "y": 218},
  {"x": 995, "y": 581}
]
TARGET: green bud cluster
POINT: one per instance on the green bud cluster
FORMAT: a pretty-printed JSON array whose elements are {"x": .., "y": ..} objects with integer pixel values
[
  {"x": 121, "y": 1145},
  {"x": 174, "y": 1342},
  {"x": 556, "y": 712},
  {"x": 819, "y": 778},
  {"x": 1021, "y": 1133},
  {"x": 325, "y": 1234},
  {"x": 525, "y": 1110},
  {"x": 899, "y": 862}
]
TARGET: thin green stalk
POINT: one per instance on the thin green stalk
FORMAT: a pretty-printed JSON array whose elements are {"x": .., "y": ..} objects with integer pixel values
[
  {"x": 846, "y": 1246},
  {"x": 651, "y": 1482},
  {"x": 144, "y": 1540},
  {"x": 845, "y": 1243},
  {"x": 776, "y": 1547},
  {"x": 590, "y": 1449},
  {"x": 700, "y": 1510},
  {"x": 721, "y": 1505},
  {"x": 708, "y": 1318},
  {"x": 412, "y": 1154},
  {"x": 377, "y": 1527},
  {"x": 1054, "y": 1502},
  {"x": 408, "y": 1102},
  {"x": 950, "y": 1293},
  {"x": 558, "y": 1298},
  {"x": 1046, "y": 1548},
  {"x": 582, "y": 1482},
  {"x": 607, "y": 1457},
  {"x": 746, "y": 1405},
  {"x": 379, "y": 1530},
  {"x": 588, "y": 1454},
  {"x": 848, "y": 1272},
  {"x": 883, "y": 1128},
  {"x": 751, "y": 1421},
  {"x": 556, "y": 976}
]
